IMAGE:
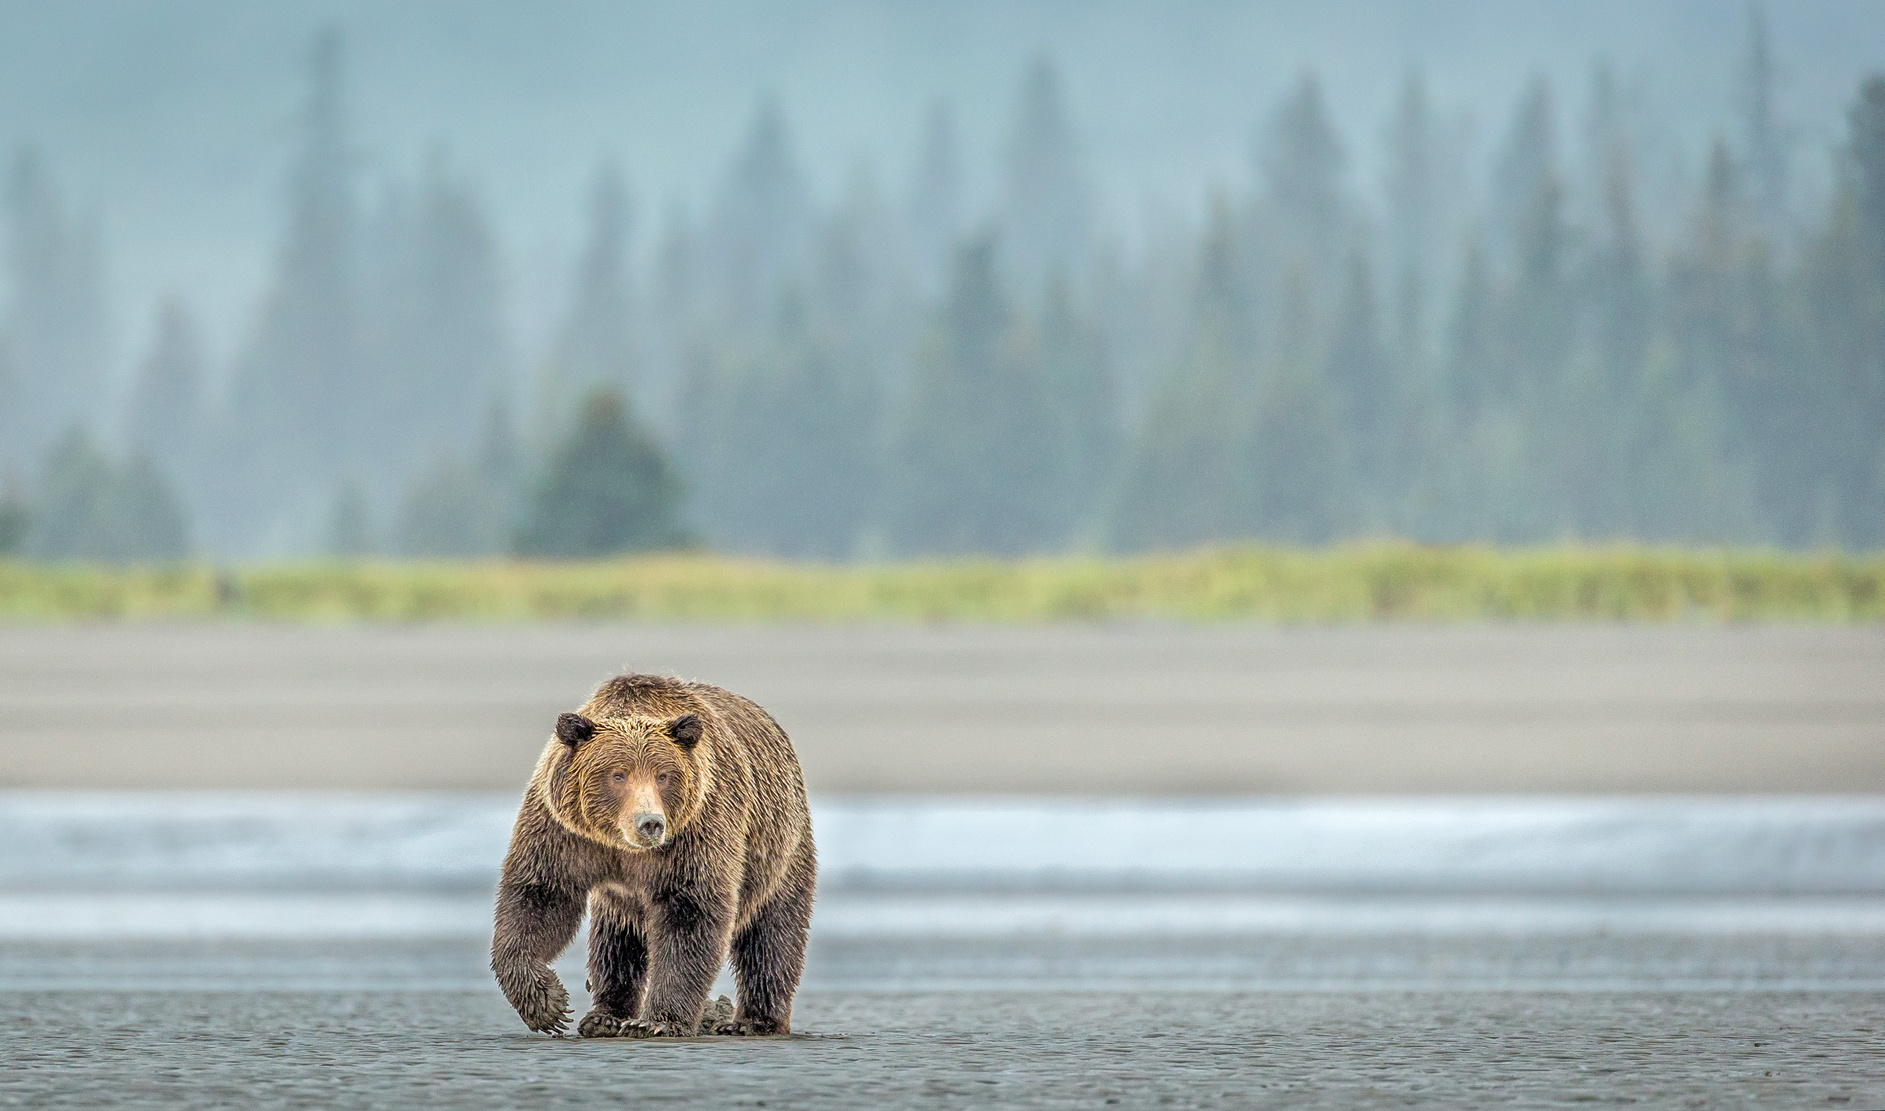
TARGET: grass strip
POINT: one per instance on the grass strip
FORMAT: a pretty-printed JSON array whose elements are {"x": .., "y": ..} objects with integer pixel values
[{"x": 1354, "y": 583}]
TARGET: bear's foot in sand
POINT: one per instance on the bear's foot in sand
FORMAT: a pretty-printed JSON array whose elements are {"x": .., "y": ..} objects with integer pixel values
[
  {"x": 714, "y": 1019},
  {"x": 601, "y": 1024},
  {"x": 718, "y": 1014},
  {"x": 610, "y": 1026}
]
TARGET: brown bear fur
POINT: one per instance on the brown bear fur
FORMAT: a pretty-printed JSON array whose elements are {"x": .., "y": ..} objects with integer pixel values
[{"x": 730, "y": 875}]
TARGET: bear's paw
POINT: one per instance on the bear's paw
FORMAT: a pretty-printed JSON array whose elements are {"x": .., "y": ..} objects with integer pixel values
[
  {"x": 747, "y": 1028},
  {"x": 543, "y": 1004},
  {"x": 600, "y": 1024}
]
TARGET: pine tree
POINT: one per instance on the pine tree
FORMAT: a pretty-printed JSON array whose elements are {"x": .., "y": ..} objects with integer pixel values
[
  {"x": 1083, "y": 440},
  {"x": 763, "y": 225},
  {"x": 500, "y": 459},
  {"x": 1484, "y": 472},
  {"x": 165, "y": 418},
  {"x": 1765, "y": 142},
  {"x": 1538, "y": 320},
  {"x": 16, "y": 519},
  {"x": 1187, "y": 478},
  {"x": 1047, "y": 214},
  {"x": 1722, "y": 314},
  {"x": 607, "y": 488},
  {"x": 934, "y": 208},
  {"x": 675, "y": 324},
  {"x": 783, "y": 444},
  {"x": 437, "y": 325},
  {"x": 860, "y": 294},
  {"x": 1668, "y": 437},
  {"x": 351, "y": 531},
  {"x": 450, "y": 510},
  {"x": 302, "y": 395},
  {"x": 593, "y": 348},
  {"x": 1865, "y": 159},
  {"x": 1298, "y": 460},
  {"x": 1606, "y": 142},
  {"x": 92, "y": 507},
  {"x": 59, "y": 327},
  {"x": 1472, "y": 332},
  {"x": 459, "y": 508},
  {"x": 1609, "y": 374},
  {"x": 1414, "y": 180},
  {"x": 1538, "y": 309},
  {"x": 970, "y": 459},
  {"x": 1527, "y": 168},
  {"x": 1843, "y": 357},
  {"x": 12, "y": 403},
  {"x": 1624, "y": 293},
  {"x": 1301, "y": 163},
  {"x": 1360, "y": 374}
]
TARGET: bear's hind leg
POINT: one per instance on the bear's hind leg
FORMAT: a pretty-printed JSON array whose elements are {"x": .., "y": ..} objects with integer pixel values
[
  {"x": 769, "y": 955},
  {"x": 618, "y": 971}
]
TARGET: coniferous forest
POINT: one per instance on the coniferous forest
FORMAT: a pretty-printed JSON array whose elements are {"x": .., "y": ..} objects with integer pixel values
[{"x": 889, "y": 372}]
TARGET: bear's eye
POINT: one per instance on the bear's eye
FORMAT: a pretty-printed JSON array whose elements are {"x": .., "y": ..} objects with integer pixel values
[
  {"x": 619, "y": 776},
  {"x": 662, "y": 779}
]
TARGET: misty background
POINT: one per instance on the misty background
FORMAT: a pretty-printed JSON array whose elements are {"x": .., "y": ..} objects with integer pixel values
[{"x": 858, "y": 281}]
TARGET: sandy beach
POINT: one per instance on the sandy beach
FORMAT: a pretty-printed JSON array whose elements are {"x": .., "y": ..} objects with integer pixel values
[{"x": 1058, "y": 709}]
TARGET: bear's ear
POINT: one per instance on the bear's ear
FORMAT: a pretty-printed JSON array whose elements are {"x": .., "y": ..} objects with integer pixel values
[
  {"x": 574, "y": 729},
  {"x": 685, "y": 730}
]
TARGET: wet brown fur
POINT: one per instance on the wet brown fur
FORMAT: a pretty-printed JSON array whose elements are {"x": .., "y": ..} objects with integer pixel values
[{"x": 733, "y": 879}]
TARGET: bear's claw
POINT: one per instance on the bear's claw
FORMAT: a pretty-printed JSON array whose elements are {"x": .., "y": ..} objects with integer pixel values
[
  {"x": 598, "y": 1025},
  {"x": 746, "y": 1028},
  {"x": 546, "y": 1009},
  {"x": 601, "y": 1024}
]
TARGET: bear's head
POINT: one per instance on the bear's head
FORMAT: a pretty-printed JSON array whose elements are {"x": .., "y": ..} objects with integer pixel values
[{"x": 632, "y": 782}]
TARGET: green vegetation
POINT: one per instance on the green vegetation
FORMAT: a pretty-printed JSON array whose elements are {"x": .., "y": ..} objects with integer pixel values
[
  {"x": 1364, "y": 582},
  {"x": 608, "y": 488}
]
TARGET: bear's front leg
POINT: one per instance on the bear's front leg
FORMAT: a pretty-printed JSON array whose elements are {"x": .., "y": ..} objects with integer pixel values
[
  {"x": 618, "y": 968},
  {"x": 534, "y": 923},
  {"x": 769, "y": 955},
  {"x": 688, "y": 934}
]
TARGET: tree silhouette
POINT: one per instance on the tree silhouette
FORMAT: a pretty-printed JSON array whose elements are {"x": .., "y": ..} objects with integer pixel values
[
  {"x": 971, "y": 458},
  {"x": 606, "y": 488},
  {"x": 1048, "y": 205},
  {"x": 58, "y": 327},
  {"x": 165, "y": 417},
  {"x": 91, "y": 507},
  {"x": 302, "y": 395},
  {"x": 934, "y": 208},
  {"x": 594, "y": 348}
]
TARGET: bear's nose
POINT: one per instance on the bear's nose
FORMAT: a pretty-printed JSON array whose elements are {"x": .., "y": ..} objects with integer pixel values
[{"x": 650, "y": 826}]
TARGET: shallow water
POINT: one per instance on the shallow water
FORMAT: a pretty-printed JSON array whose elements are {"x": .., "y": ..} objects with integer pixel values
[
  {"x": 1650, "y": 844},
  {"x": 320, "y": 950}
]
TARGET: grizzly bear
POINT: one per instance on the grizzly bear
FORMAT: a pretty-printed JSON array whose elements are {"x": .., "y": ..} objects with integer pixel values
[{"x": 675, "y": 812}]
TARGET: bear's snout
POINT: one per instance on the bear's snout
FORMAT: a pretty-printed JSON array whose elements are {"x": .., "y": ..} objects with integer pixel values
[{"x": 652, "y": 828}]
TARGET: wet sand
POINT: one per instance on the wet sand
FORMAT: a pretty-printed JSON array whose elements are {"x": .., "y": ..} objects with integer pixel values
[
  {"x": 1776, "y": 1022},
  {"x": 1057, "y": 709}
]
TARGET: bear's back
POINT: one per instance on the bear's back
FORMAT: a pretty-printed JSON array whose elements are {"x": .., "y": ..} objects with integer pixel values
[{"x": 655, "y": 696}]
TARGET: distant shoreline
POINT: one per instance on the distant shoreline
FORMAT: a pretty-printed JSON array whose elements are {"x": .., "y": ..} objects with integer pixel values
[
  {"x": 1358, "y": 583},
  {"x": 1119, "y": 709}
]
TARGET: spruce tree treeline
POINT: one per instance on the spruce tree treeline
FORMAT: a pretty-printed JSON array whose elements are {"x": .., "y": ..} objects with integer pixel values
[{"x": 1547, "y": 344}]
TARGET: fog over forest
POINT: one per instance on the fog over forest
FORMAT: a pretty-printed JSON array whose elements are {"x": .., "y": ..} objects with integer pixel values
[{"x": 854, "y": 280}]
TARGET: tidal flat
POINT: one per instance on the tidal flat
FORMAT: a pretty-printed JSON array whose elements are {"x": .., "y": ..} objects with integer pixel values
[{"x": 1654, "y": 1021}]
